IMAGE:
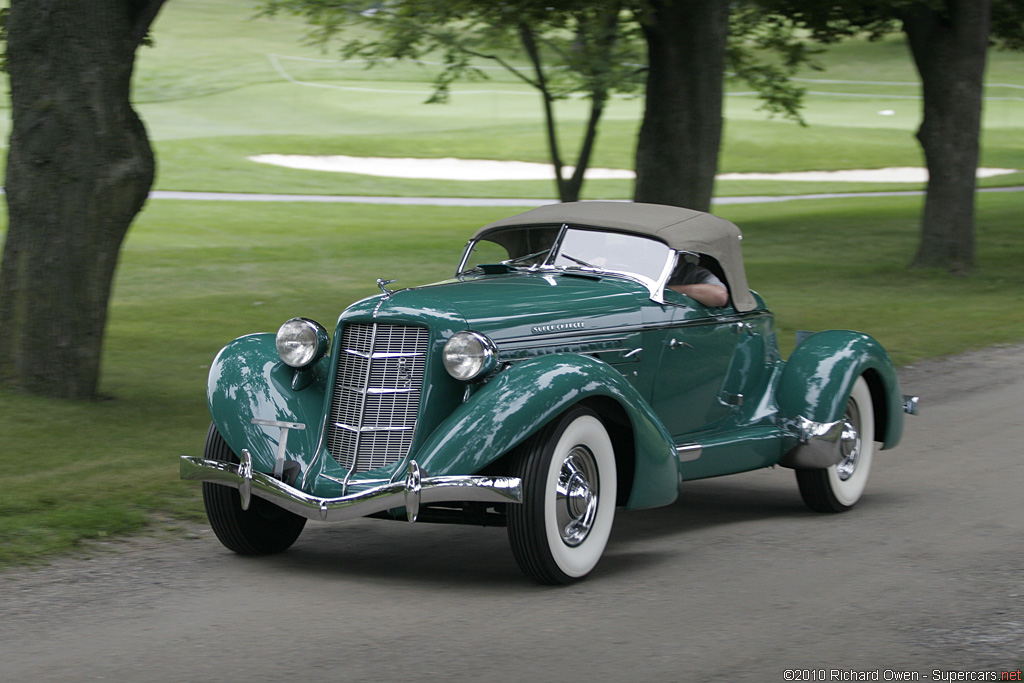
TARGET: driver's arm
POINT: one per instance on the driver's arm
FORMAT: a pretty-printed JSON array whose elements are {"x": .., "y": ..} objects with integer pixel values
[{"x": 707, "y": 294}]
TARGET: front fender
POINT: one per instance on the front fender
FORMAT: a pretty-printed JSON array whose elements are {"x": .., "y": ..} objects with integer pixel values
[
  {"x": 819, "y": 376},
  {"x": 526, "y": 396},
  {"x": 247, "y": 380}
]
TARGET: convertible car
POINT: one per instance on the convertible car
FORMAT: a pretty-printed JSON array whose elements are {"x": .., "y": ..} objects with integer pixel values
[{"x": 556, "y": 378}]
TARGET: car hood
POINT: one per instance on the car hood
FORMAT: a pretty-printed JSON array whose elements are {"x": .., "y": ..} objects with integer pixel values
[{"x": 517, "y": 305}]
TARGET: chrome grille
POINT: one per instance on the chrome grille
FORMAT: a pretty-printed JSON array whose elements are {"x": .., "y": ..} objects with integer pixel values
[{"x": 376, "y": 394}]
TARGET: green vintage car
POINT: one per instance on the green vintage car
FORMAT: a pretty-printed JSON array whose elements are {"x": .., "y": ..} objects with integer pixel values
[{"x": 556, "y": 377}]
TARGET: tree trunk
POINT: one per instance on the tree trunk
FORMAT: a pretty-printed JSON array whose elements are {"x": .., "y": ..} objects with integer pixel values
[
  {"x": 529, "y": 43},
  {"x": 677, "y": 149},
  {"x": 949, "y": 49},
  {"x": 569, "y": 188},
  {"x": 604, "y": 46},
  {"x": 572, "y": 186},
  {"x": 78, "y": 171}
]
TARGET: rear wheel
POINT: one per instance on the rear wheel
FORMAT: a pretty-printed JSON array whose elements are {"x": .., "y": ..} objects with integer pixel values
[
  {"x": 263, "y": 529},
  {"x": 838, "y": 488},
  {"x": 559, "y": 532}
]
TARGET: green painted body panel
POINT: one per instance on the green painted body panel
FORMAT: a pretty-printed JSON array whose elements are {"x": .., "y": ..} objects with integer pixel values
[
  {"x": 510, "y": 306},
  {"x": 248, "y": 380},
  {"x": 820, "y": 373},
  {"x": 732, "y": 451},
  {"x": 525, "y": 397}
]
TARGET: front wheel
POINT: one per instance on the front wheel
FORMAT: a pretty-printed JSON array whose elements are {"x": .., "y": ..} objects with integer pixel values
[
  {"x": 263, "y": 529},
  {"x": 838, "y": 488},
  {"x": 559, "y": 532}
]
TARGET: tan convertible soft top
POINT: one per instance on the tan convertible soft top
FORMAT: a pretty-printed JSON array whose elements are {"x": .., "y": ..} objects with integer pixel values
[{"x": 681, "y": 229}]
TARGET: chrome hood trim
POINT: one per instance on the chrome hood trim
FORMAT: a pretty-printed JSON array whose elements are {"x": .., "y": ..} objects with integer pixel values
[{"x": 410, "y": 493}]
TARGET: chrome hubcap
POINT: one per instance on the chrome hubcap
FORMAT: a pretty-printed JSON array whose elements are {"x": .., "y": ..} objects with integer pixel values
[
  {"x": 576, "y": 496},
  {"x": 849, "y": 443}
]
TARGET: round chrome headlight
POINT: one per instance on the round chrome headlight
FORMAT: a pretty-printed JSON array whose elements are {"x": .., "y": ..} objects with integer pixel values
[
  {"x": 301, "y": 342},
  {"x": 469, "y": 355}
]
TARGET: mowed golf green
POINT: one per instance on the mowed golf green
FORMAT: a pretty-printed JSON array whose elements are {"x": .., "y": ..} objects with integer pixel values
[{"x": 219, "y": 87}]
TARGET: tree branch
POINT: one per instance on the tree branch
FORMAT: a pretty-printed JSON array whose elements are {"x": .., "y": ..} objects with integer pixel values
[{"x": 508, "y": 67}]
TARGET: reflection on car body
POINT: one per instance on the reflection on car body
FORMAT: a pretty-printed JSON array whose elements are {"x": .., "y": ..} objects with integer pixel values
[{"x": 555, "y": 378}]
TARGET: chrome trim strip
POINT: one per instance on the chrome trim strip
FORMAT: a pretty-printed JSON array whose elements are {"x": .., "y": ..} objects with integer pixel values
[
  {"x": 466, "y": 251},
  {"x": 356, "y": 430},
  {"x": 510, "y": 355},
  {"x": 375, "y": 392},
  {"x": 689, "y": 452},
  {"x": 413, "y": 491},
  {"x": 277, "y": 423},
  {"x": 384, "y": 354},
  {"x": 716, "y": 320},
  {"x": 514, "y": 345}
]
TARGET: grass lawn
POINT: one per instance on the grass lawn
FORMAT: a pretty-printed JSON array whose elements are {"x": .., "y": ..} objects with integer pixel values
[{"x": 219, "y": 87}]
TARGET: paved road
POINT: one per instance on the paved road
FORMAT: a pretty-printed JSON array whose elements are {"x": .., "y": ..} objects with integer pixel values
[
  {"x": 483, "y": 201},
  {"x": 735, "y": 582}
]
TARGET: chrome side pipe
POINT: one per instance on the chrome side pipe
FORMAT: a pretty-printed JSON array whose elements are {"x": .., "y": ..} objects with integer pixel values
[
  {"x": 819, "y": 444},
  {"x": 415, "y": 490},
  {"x": 910, "y": 404}
]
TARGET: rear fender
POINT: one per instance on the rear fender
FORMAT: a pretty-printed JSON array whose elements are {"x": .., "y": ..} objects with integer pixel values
[
  {"x": 526, "y": 396},
  {"x": 819, "y": 376},
  {"x": 248, "y": 381}
]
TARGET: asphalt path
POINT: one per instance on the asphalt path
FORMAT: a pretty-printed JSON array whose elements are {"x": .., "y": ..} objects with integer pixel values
[
  {"x": 483, "y": 201},
  {"x": 736, "y": 581}
]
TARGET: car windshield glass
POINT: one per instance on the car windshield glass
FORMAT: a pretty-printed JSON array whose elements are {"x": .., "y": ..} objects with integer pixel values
[
  {"x": 515, "y": 246},
  {"x": 612, "y": 252}
]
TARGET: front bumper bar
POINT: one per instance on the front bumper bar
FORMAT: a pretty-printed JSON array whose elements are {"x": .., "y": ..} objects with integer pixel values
[{"x": 415, "y": 490}]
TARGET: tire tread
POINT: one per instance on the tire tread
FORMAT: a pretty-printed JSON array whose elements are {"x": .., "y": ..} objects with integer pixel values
[
  {"x": 531, "y": 461},
  {"x": 263, "y": 529}
]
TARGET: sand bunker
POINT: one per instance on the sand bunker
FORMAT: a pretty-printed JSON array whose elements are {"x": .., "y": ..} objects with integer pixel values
[
  {"x": 901, "y": 174},
  {"x": 486, "y": 169},
  {"x": 434, "y": 169}
]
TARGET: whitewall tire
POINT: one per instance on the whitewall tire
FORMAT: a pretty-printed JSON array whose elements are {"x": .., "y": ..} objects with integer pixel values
[
  {"x": 559, "y": 532},
  {"x": 838, "y": 488}
]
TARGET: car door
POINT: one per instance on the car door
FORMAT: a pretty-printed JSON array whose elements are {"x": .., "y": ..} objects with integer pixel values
[{"x": 690, "y": 392}]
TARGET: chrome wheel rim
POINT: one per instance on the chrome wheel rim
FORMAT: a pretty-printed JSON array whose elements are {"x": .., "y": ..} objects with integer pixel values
[
  {"x": 576, "y": 495},
  {"x": 849, "y": 445}
]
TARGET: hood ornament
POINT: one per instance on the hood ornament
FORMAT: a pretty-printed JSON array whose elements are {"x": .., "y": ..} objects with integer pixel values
[{"x": 383, "y": 284}]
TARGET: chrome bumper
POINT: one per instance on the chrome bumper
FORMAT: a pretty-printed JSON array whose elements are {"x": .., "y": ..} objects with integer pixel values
[{"x": 415, "y": 490}]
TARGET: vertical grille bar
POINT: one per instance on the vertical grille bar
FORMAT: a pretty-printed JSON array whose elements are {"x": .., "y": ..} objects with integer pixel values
[{"x": 376, "y": 394}]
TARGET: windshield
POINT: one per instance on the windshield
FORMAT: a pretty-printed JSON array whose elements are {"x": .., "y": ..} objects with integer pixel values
[
  {"x": 571, "y": 248},
  {"x": 517, "y": 246},
  {"x": 611, "y": 252}
]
